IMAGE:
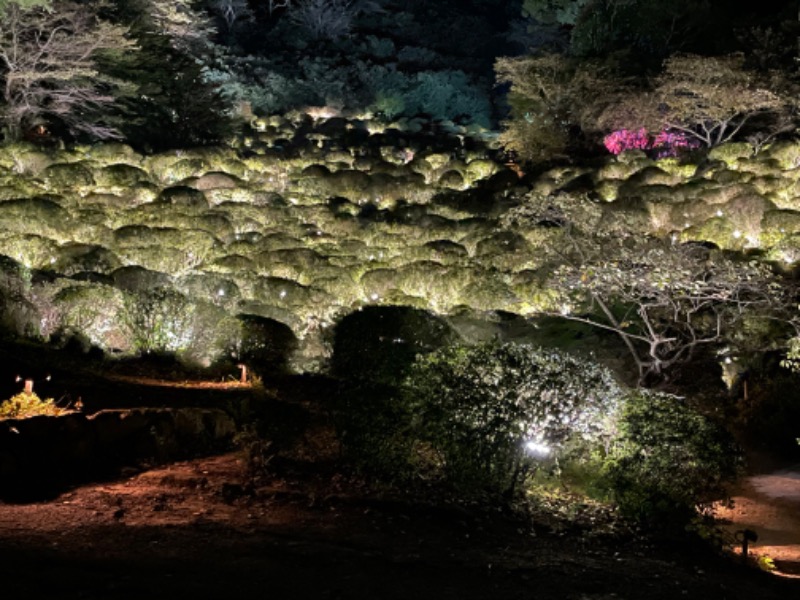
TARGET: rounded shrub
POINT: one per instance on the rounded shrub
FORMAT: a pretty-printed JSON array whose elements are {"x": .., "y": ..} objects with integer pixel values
[
  {"x": 373, "y": 350},
  {"x": 380, "y": 344},
  {"x": 492, "y": 412},
  {"x": 668, "y": 460}
]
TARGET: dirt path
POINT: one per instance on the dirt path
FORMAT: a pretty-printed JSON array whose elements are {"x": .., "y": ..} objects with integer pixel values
[
  {"x": 190, "y": 530},
  {"x": 769, "y": 504}
]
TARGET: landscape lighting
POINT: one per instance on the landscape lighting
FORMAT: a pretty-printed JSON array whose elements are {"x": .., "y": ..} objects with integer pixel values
[{"x": 537, "y": 449}]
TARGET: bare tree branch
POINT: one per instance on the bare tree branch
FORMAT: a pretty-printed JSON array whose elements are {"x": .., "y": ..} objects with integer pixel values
[{"x": 49, "y": 68}]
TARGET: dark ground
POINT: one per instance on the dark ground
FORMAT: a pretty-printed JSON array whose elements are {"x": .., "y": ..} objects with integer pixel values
[
  {"x": 203, "y": 528},
  {"x": 187, "y": 530}
]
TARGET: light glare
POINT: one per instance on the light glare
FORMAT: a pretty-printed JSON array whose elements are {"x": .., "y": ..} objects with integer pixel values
[{"x": 537, "y": 449}]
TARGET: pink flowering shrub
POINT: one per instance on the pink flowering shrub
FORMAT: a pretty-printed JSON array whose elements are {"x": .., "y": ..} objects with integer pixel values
[
  {"x": 662, "y": 145},
  {"x": 672, "y": 143},
  {"x": 624, "y": 139}
]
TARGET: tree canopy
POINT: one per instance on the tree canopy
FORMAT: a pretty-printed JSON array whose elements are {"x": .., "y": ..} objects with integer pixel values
[{"x": 49, "y": 68}]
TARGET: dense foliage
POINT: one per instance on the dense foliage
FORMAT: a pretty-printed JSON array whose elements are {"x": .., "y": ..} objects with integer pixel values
[
  {"x": 50, "y": 74},
  {"x": 27, "y": 404},
  {"x": 491, "y": 412},
  {"x": 198, "y": 70},
  {"x": 668, "y": 460}
]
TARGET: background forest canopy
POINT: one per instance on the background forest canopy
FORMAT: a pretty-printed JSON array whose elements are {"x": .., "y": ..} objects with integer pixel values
[{"x": 178, "y": 73}]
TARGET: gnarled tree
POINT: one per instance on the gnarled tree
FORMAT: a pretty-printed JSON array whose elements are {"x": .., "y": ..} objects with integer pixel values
[
  {"x": 49, "y": 69},
  {"x": 667, "y": 301},
  {"x": 710, "y": 98}
]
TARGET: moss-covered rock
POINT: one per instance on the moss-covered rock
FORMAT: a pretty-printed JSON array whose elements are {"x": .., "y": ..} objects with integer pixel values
[
  {"x": 479, "y": 169},
  {"x": 141, "y": 192},
  {"x": 446, "y": 250},
  {"x": 616, "y": 169},
  {"x": 20, "y": 188},
  {"x": 719, "y": 231},
  {"x": 712, "y": 193},
  {"x": 440, "y": 285},
  {"x": 759, "y": 165},
  {"x": 768, "y": 184},
  {"x": 652, "y": 175},
  {"x": 452, "y": 179},
  {"x": 276, "y": 240},
  {"x": 388, "y": 190},
  {"x": 747, "y": 212},
  {"x": 653, "y": 194},
  {"x": 230, "y": 264},
  {"x": 214, "y": 180},
  {"x": 297, "y": 264},
  {"x": 683, "y": 215},
  {"x": 162, "y": 167},
  {"x": 165, "y": 249},
  {"x": 786, "y": 253},
  {"x": 625, "y": 215},
  {"x": 351, "y": 184},
  {"x": 281, "y": 292},
  {"x": 244, "y": 195},
  {"x": 488, "y": 291},
  {"x": 339, "y": 285},
  {"x": 504, "y": 242},
  {"x": 437, "y": 160},
  {"x": 608, "y": 189},
  {"x": 216, "y": 224},
  {"x": 781, "y": 190},
  {"x": 31, "y": 162}
]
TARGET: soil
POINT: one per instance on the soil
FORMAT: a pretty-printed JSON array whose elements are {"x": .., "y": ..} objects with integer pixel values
[
  {"x": 768, "y": 504},
  {"x": 195, "y": 529},
  {"x": 206, "y": 528}
]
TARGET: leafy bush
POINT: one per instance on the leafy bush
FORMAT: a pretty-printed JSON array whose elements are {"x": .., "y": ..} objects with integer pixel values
[
  {"x": 665, "y": 144},
  {"x": 552, "y": 99},
  {"x": 374, "y": 349},
  {"x": 272, "y": 85},
  {"x": 374, "y": 427},
  {"x": 27, "y": 404},
  {"x": 668, "y": 461},
  {"x": 445, "y": 95},
  {"x": 491, "y": 411},
  {"x": 379, "y": 344},
  {"x": 160, "y": 319}
]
